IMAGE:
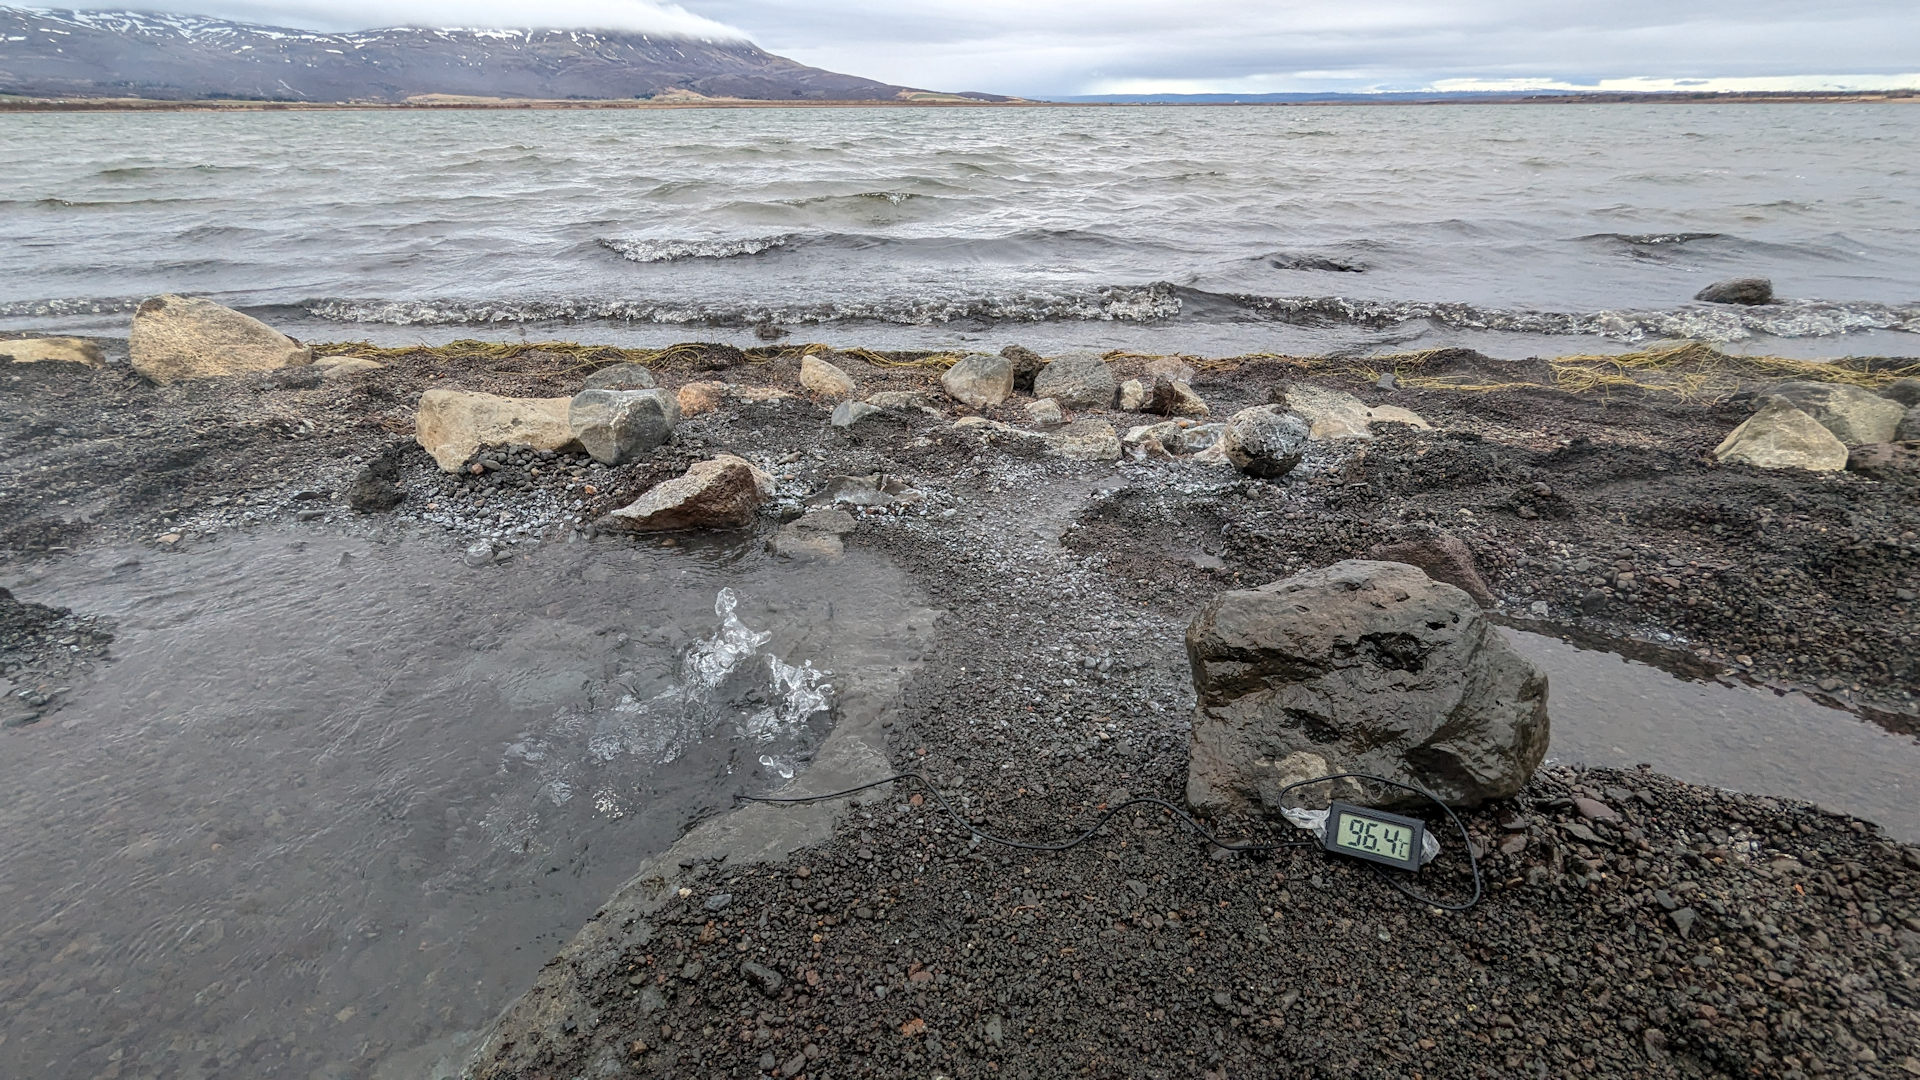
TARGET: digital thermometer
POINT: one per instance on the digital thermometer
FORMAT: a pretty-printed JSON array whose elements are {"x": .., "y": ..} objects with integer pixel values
[{"x": 1374, "y": 836}]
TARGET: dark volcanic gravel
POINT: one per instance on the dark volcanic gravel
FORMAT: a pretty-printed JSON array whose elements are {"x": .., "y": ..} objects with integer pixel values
[
  {"x": 1693, "y": 934},
  {"x": 1697, "y": 933}
]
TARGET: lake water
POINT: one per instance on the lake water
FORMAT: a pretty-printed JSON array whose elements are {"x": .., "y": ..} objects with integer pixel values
[{"x": 1518, "y": 229}]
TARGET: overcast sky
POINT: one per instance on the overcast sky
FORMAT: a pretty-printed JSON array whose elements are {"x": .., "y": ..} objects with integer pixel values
[{"x": 1066, "y": 47}]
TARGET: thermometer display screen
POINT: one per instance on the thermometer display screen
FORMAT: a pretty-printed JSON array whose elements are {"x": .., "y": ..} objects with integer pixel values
[{"x": 1373, "y": 835}]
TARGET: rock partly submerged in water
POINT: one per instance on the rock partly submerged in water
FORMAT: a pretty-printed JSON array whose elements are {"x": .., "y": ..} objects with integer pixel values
[
  {"x": 1856, "y": 416},
  {"x": 619, "y": 426},
  {"x": 815, "y": 534},
  {"x": 1371, "y": 667},
  {"x": 58, "y": 350},
  {"x": 723, "y": 493},
  {"x": 452, "y": 424},
  {"x": 1780, "y": 436},
  {"x": 1750, "y": 291},
  {"x": 186, "y": 337},
  {"x": 1265, "y": 441}
]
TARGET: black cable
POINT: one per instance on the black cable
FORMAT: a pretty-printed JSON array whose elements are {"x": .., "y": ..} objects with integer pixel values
[
  {"x": 1465, "y": 839},
  {"x": 1068, "y": 845}
]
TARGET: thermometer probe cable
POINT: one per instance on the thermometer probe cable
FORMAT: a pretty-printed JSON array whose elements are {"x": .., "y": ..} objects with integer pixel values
[{"x": 1187, "y": 819}]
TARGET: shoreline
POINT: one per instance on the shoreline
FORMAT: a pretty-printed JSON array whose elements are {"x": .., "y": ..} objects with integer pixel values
[
  {"x": 1695, "y": 932},
  {"x": 37, "y": 104}
]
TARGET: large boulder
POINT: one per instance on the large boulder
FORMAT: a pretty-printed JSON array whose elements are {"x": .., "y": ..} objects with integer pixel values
[
  {"x": 979, "y": 380},
  {"x": 63, "y": 350},
  {"x": 1265, "y": 441},
  {"x": 1780, "y": 436},
  {"x": 621, "y": 377},
  {"x": 452, "y": 424},
  {"x": 1077, "y": 381},
  {"x": 821, "y": 378},
  {"x": 1747, "y": 290},
  {"x": 723, "y": 493},
  {"x": 618, "y": 426},
  {"x": 1855, "y": 416},
  {"x": 185, "y": 337},
  {"x": 1371, "y": 667}
]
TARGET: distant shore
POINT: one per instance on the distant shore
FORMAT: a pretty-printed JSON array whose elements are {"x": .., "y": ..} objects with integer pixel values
[{"x": 438, "y": 102}]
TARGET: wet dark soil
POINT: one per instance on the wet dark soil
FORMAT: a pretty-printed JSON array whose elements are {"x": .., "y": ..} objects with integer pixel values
[{"x": 1701, "y": 933}]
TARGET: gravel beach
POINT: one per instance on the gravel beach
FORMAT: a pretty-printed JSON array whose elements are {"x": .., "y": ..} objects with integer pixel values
[{"x": 1632, "y": 925}]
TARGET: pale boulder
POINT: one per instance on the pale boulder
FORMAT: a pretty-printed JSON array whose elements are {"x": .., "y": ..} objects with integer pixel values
[
  {"x": 452, "y": 424},
  {"x": 823, "y": 379},
  {"x": 186, "y": 337},
  {"x": 723, "y": 493},
  {"x": 1780, "y": 436},
  {"x": 62, "y": 350},
  {"x": 341, "y": 367},
  {"x": 1394, "y": 414},
  {"x": 1330, "y": 414}
]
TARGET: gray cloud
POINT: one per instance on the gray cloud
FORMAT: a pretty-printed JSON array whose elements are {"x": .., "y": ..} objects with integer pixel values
[{"x": 1061, "y": 47}]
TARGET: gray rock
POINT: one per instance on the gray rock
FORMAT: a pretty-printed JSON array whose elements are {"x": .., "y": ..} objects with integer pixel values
[
  {"x": 1077, "y": 381},
  {"x": 480, "y": 553},
  {"x": 1046, "y": 412},
  {"x": 1172, "y": 397},
  {"x": 1884, "y": 461},
  {"x": 849, "y": 413},
  {"x": 1374, "y": 668},
  {"x": 375, "y": 489},
  {"x": 1747, "y": 290},
  {"x": 815, "y": 534},
  {"x": 1780, "y": 436},
  {"x": 719, "y": 901},
  {"x": 1904, "y": 391},
  {"x": 904, "y": 399},
  {"x": 1908, "y": 429},
  {"x": 621, "y": 377},
  {"x": 1387, "y": 382},
  {"x": 1265, "y": 441},
  {"x": 979, "y": 380},
  {"x": 1855, "y": 416},
  {"x": 619, "y": 426}
]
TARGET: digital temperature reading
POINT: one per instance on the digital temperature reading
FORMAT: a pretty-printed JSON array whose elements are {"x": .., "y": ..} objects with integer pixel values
[{"x": 1375, "y": 836}]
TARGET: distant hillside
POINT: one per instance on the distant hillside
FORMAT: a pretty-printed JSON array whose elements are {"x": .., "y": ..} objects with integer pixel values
[{"x": 187, "y": 57}]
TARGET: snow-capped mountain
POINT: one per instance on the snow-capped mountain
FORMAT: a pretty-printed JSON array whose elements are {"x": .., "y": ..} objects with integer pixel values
[{"x": 46, "y": 53}]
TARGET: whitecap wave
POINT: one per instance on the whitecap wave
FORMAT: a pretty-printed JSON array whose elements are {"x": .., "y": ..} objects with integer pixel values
[
  {"x": 1713, "y": 323},
  {"x": 663, "y": 250}
]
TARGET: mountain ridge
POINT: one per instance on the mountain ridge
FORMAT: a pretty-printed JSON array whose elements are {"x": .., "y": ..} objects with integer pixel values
[{"x": 69, "y": 53}]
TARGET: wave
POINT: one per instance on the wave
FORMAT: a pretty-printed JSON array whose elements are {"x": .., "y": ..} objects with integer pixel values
[
  {"x": 1793, "y": 319},
  {"x": 643, "y": 250},
  {"x": 1146, "y": 303},
  {"x": 1665, "y": 239},
  {"x": 77, "y": 305}
]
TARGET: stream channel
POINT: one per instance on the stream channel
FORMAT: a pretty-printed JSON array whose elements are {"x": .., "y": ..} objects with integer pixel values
[{"x": 334, "y": 801}]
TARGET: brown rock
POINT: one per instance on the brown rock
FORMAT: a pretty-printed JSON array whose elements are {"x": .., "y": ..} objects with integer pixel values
[
  {"x": 819, "y": 377},
  {"x": 1443, "y": 557},
  {"x": 723, "y": 493}
]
